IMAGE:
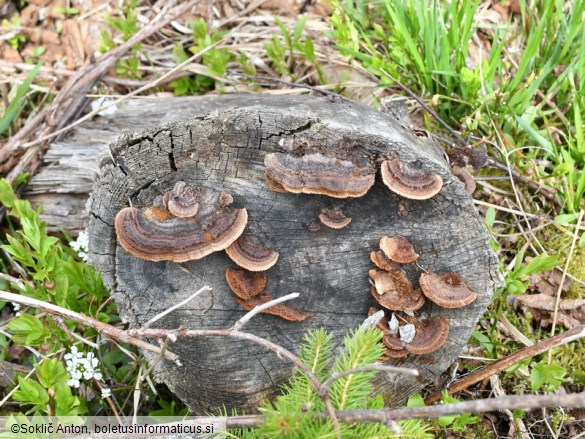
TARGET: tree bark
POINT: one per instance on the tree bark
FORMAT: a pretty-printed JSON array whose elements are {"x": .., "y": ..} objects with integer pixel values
[{"x": 220, "y": 142}]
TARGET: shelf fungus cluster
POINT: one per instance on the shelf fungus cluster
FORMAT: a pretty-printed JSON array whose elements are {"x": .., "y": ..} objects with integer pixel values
[
  {"x": 188, "y": 223},
  {"x": 407, "y": 180},
  {"x": 191, "y": 222},
  {"x": 249, "y": 288},
  {"x": 317, "y": 174},
  {"x": 404, "y": 332},
  {"x": 325, "y": 175},
  {"x": 184, "y": 224}
]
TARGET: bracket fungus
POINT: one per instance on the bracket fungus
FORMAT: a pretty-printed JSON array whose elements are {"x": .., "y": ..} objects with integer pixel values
[
  {"x": 245, "y": 284},
  {"x": 430, "y": 335},
  {"x": 408, "y": 181},
  {"x": 154, "y": 234},
  {"x": 380, "y": 260},
  {"x": 333, "y": 218},
  {"x": 182, "y": 200},
  {"x": 393, "y": 291},
  {"x": 281, "y": 310},
  {"x": 398, "y": 249},
  {"x": 273, "y": 184},
  {"x": 447, "y": 290},
  {"x": 318, "y": 174},
  {"x": 250, "y": 255}
]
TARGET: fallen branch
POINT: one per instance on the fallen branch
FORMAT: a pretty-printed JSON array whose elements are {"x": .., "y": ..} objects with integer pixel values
[
  {"x": 512, "y": 359},
  {"x": 388, "y": 415},
  {"x": 509, "y": 402},
  {"x": 72, "y": 99},
  {"x": 109, "y": 330}
]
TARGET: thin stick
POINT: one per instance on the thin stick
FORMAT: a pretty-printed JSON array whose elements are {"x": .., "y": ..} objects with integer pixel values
[
  {"x": 18, "y": 282},
  {"x": 531, "y": 184},
  {"x": 269, "y": 79},
  {"x": 103, "y": 328},
  {"x": 163, "y": 348},
  {"x": 137, "y": 393},
  {"x": 387, "y": 415},
  {"x": 121, "y": 99},
  {"x": 375, "y": 367},
  {"x": 432, "y": 112},
  {"x": 563, "y": 277},
  {"x": 510, "y": 360},
  {"x": 279, "y": 350},
  {"x": 71, "y": 99},
  {"x": 178, "y": 305},
  {"x": 505, "y": 209},
  {"x": 72, "y": 334},
  {"x": 258, "y": 309},
  {"x": 9, "y": 394},
  {"x": 511, "y": 402}
]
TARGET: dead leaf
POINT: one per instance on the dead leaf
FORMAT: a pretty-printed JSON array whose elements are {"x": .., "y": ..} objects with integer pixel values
[
  {"x": 571, "y": 312},
  {"x": 9, "y": 54},
  {"x": 74, "y": 47},
  {"x": 548, "y": 282},
  {"x": 29, "y": 16}
]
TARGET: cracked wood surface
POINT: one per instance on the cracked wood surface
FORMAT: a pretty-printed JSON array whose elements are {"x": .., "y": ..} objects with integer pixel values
[{"x": 223, "y": 145}]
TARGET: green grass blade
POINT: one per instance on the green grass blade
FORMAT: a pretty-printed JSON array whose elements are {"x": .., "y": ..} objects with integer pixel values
[{"x": 17, "y": 104}]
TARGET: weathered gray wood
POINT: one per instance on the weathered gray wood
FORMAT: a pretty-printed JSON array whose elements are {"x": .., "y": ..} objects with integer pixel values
[
  {"x": 63, "y": 184},
  {"x": 223, "y": 147}
]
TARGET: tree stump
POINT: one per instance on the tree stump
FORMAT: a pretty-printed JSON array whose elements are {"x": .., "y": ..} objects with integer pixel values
[{"x": 224, "y": 148}]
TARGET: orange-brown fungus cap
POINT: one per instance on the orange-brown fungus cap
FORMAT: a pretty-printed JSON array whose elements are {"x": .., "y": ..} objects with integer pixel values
[
  {"x": 250, "y": 255},
  {"x": 393, "y": 290},
  {"x": 430, "y": 335},
  {"x": 398, "y": 249},
  {"x": 282, "y": 310},
  {"x": 183, "y": 200},
  {"x": 447, "y": 290},
  {"x": 318, "y": 174},
  {"x": 391, "y": 353},
  {"x": 381, "y": 261},
  {"x": 180, "y": 239},
  {"x": 245, "y": 284},
  {"x": 273, "y": 184},
  {"x": 465, "y": 177},
  {"x": 394, "y": 301},
  {"x": 334, "y": 218},
  {"x": 410, "y": 182}
]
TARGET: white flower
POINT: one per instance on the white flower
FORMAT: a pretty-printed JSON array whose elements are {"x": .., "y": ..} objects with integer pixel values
[
  {"x": 74, "y": 356},
  {"x": 81, "y": 245},
  {"x": 16, "y": 307},
  {"x": 73, "y": 383},
  {"x": 92, "y": 361},
  {"x": 106, "y": 392},
  {"x": 82, "y": 366}
]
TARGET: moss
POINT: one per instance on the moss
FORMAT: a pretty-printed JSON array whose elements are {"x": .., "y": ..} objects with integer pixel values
[
  {"x": 559, "y": 243},
  {"x": 570, "y": 356}
]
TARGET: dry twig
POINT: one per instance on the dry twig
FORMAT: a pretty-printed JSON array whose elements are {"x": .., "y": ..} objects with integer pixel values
[
  {"x": 104, "y": 328},
  {"x": 530, "y": 351}
]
